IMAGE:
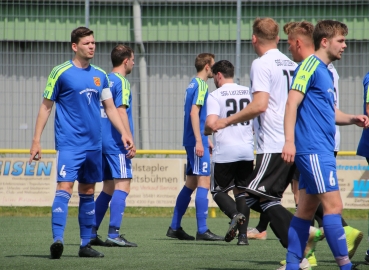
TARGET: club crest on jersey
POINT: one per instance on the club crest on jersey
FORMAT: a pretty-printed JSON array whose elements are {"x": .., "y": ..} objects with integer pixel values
[{"x": 97, "y": 81}]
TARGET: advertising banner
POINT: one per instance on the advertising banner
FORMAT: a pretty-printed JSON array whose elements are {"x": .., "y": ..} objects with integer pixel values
[
  {"x": 23, "y": 184},
  {"x": 156, "y": 183},
  {"x": 353, "y": 180}
]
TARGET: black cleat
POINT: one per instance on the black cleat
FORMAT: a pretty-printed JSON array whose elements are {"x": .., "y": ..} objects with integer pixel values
[
  {"x": 179, "y": 234},
  {"x": 208, "y": 236},
  {"x": 97, "y": 241},
  {"x": 88, "y": 251},
  {"x": 366, "y": 258},
  {"x": 232, "y": 230},
  {"x": 119, "y": 241},
  {"x": 56, "y": 249},
  {"x": 354, "y": 266},
  {"x": 242, "y": 240}
]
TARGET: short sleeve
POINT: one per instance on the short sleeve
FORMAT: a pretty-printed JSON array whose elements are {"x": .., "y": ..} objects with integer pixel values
[
  {"x": 303, "y": 74},
  {"x": 200, "y": 93},
  {"x": 212, "y": 105},
  {"x": 260, "y": 76}
]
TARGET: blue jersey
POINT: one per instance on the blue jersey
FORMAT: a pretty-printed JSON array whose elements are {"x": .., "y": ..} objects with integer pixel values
[
  {"x": 315, "y": 123},
  {"x": 363, "y": 146},
  {"x": 77, "y": 94},
  {"x": 196, "y": 94},
  {"x": 111, "y": 138}
]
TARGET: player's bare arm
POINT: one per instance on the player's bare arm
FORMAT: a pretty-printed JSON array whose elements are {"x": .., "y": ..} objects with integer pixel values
[
  {"x": 350, "y": 119},
  {"x": 42, "y": 117},
  {"x": 210, "y": 121},
  {"x": 258, "y": 105},
  {"x": 113, "y": 115},
  {"x": 122, "y": 110},
  {"x": 289, "y": 149},
  {"x": 195, "y": 122}
]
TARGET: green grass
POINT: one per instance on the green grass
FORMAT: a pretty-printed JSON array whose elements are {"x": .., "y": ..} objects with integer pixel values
[
  {"x": 143, "y": 212},
  {"x": 25, "y": 243}
]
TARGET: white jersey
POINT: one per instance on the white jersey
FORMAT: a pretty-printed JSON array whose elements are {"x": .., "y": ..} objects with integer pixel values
[
  {"x": 271, "y": 73},
  {"x": 236, "y": 142},
  {"x": 335, "y": 82}
]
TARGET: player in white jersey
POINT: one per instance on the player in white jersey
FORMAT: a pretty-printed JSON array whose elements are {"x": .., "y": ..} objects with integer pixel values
[
  {"x": 270, "y": 79},
  {"x": 233, "y": 152}
]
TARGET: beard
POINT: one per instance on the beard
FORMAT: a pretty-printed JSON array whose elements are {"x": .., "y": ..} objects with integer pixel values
[{"x": 333, "y": 57}]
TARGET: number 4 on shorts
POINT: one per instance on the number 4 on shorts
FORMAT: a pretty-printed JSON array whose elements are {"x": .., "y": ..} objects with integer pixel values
[{"x": 62, "y": 172}]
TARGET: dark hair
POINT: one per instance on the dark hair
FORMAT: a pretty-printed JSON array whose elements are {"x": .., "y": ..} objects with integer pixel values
[
  {"x": 225, "y": 67},
  {"x": 265, "y": 28},
  {"x": 79, "y": 33},
  {"x": 202, "y": 59},
  {"x": 328, "y": 29},
  {"x": 119, "y": 54}
]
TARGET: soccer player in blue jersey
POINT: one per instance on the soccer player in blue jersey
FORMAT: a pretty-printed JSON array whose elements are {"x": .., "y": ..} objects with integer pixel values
[
  {"x": 198, "y": 156},
  {"x": 363, "y": 147},
  {"x": 117, "y": 169},
  {"x": 309, "y": 125},
  {"x": 77, "y": 88}
]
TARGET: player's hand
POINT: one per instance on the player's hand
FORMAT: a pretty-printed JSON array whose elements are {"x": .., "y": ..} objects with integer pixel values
[
  {"x": 289, "y": 152},
  {"x": 132, "y": 152},
  {"x": 35, "y": 152},
  {"x": 361, "y": 121},
  {"x": 199, "y": 149},
  {"x": 211, "y": 146},
  {"x": 220, "y": 124},
  {"x": 127, "y": 142}
]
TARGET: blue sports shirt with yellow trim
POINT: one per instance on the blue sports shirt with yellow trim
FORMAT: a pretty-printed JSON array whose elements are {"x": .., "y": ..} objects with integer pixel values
[
  {"x": 121, "y": 92},
  {"x": 196, "y": 94},
  {"x": 77, "y": 93},
  {"x": 315, "y": 123},
  {"x": 363, "y": 146}
]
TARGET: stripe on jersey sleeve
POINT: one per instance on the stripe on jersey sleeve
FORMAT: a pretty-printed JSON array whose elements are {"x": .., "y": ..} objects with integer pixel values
[
  {"x": 367, "y": 93},
  {"x": 202, "y": 90},
  {"x": 306, "y": 70},
  {"x": 126, "y": 89},
  {"x": 53, "y": 78},
  {"x": 106, "y": 83}
]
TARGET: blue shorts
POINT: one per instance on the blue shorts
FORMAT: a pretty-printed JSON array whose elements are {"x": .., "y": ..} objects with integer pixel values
[
  {"x": 197, "y": 165},
  {"x": 84, "y": 166},
  {"x": 116, "y": 166},
  {"x": 317, "y": 173}
]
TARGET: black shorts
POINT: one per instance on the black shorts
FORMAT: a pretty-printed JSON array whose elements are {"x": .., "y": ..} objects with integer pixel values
[
  {"x": 270, "y": 177},
  {"x": 226, "y": 176},
  {"x": 296, "y": 174}
]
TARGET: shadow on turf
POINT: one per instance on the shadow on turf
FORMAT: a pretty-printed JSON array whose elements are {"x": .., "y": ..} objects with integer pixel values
[
  {"x": 267, "y": 264},
  {"x": 38, "y": 256}
]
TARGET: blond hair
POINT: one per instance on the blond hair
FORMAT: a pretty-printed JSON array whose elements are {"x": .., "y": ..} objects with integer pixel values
[
  {"x": 265, "y": 29},
  {"x": 303, "y": 28}
]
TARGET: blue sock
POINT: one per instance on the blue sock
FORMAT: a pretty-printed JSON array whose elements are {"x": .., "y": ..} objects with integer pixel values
[
  {"x": 117, "y": 206},
  {"x": 86, "y": 217},
  {"x": 336, "y": 238},
  {"x": 202, "y": 205},
  {"x": 183, "y": 200},
  {"x": 101, "y": 205},
  {"x": 298, "y": 235},
  {"x": 59, "y": 214}
]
